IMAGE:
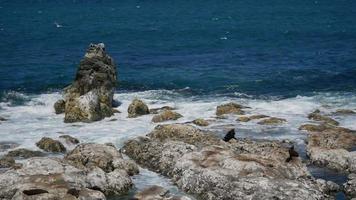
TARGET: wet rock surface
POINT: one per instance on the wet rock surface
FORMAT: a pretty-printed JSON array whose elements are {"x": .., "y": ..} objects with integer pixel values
[
  {"x": 51, "y": 145},
  {"x": 272, "y": 121},
  {"x": 251, "y": 117},
  {"x": 166, "y": 115},
  {"x": 201, "y": 122},
  {"x": 350, "y": 186},
  {"x": 90, "y": 97},
  {"x": 204, "y": 165},
  {"x": 158, "y": 110},
  {"x": 6, "y": 162},
  {"x": 137, "y": 108},
  {"x": 59, "y": 106},
  {"x": 157, "y": 193},
  {"x": 230, "y": 108},
  {"x": 317, "y": 116},
  {"x": 344, "y": 112}
]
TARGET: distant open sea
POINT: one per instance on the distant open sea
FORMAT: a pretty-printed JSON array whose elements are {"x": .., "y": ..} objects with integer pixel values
[{"x": 283, "y": 58}]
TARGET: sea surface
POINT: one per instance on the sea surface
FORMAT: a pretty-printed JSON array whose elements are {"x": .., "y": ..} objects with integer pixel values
[{"x": 282, "y": 58}]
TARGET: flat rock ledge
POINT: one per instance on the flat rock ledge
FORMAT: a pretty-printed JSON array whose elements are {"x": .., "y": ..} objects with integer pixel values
[
  {"x": 204, "y": 165},
  {"x": 70, "y": 178}
]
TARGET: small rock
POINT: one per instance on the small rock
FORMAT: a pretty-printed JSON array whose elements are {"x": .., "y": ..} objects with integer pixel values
[
  {"x": 272, "y": 121},
  {"x": 230, "y": 108},
  {"x": 201, "y": 122},
  {"x": 6, "y": 162},
  {"x": 165, "y": 116},
  {"x": 24, "y": 153},
  {"x": 313, "y": 127},
  {"x": 157, "y": 110},
  {"x": 137, "y": 108},
  {"x": 60, "y": 106},
  {"x": 344, "y": 112},
  {"x": 243, "y": 119},
  {"x": 252, "y": 117},
  {"x": 69, "y": 139},
  {"x": 51, "y": 145}
]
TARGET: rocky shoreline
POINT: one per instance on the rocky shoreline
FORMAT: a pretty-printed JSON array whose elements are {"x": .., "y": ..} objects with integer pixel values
[{"x": 193, "y": 156}]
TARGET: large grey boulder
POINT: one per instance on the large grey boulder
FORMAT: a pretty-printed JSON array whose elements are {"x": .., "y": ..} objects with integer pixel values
[
  {"x": 90, "y": 97},
  {"x": 202, "y": 164}
]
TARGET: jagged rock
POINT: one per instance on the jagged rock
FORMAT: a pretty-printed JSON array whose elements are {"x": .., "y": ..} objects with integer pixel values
[
  {"x": 165, "y": 116},
  {"x": 157, "y": 193},
  {"x": 202, "y": 164},
  {"x": 137, "y": 108},
  {"x": 51, "y": 145},
  {"x": 328, "y": 146},
  {"x": 344, "y": 112},
  {"x": 157, "y": 110},
  {"x": 252, "y": 117},
  {"x": 69, "y": 139},
  {"x": 53, "y": 178},
  {"x": 90, "y": 97},
  {"x": 230, "y": 108},
  {"x": 106, "y": 157},
  {"x": 350, "y": 186},
  {"x": 6, "y": 162},
  {"x": 272, "y": 121},
  {"x": 59, "y": 106},
  {"x": 24, "y": 153},
  {"x": 201, "y": 122},
  {"x": 316, "y": 116},
  {"x": 4, "y": 146}
]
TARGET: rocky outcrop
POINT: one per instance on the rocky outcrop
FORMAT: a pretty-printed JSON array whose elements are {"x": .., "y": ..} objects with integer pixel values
[
  {"x": 90, "y": 97},
  {"x": 230, "y": 108},
  {"x": 252, "y": 117},
  {"x": 137, "y": 108},
  {"x": 69, "y": 139},
  {"x": 59, "y": 106},
  {"x": 158, "y": 110},
  {"x": 350, "y": 186},
  {"x": 317, "y": 116},
  {"x": 165, "y": 116},
  {"x": 51, "y": 145},
  {"x": 105, "y": 157},
  {"x": 201, "y": 122},
  {"x": 24, "y": 153},
  {"x": 53, "y": 178},
  {"x": 330, "y": 146},
  {"x": 272, "y": 121},
  {"x": 202, "y": 164},
  {"x": 157, "y": 193}
]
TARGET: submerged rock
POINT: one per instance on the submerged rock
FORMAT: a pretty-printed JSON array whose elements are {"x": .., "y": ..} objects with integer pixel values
[
  {"x": 90, "y": 97},
  {"x": 53, "y": 178},
  {"x": 51, "y": 145},
  {"x": 350, "y": 186},
  {"x": 24, "y": 153},
  {"x": 106, "y": 157},
  {"x": 165, "y": 116},
  {"x": 272, "y": 121},
  {"x": 157, "y": 110},
  {"x": 201, "y": 122},
  {"x": 59, "y": 106},
  {"x": 316, "y": 116},
  {"x": 157, "y": 193},
  {"x": 230, "y": 108},
  {"x": 69, "y": 139},
  {"x": 137, "y": 108},
  {"x": 202, "y": 164}
]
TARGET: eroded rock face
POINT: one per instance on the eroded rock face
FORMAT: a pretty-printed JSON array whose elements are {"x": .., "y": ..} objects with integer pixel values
[
  {"x": 272, "y": 121},
  {"x": 51, "y": 145},
  {"x": 350, "y": 186},
  {"x": 230, "y": 108},
  {"x": 203, "y": 164},
  {"x": 329, "y": 146},
  {"x": 90, "y": 97},
  {"x": 165, "y": 116},
  {"x": 105, "y": 157},
  {"x": 157, "y": 193},
  {"x": 53, "y": 178},
  {"x": 137, "y": 108}
]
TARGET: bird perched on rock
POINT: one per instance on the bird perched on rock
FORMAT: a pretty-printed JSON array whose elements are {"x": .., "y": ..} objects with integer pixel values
[
  {"x": 230, "y": 135},
  {"x": 292, "y": 153}
]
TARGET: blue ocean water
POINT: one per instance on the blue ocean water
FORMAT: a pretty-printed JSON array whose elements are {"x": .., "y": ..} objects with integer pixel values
[{"x": 278, "y": 47}]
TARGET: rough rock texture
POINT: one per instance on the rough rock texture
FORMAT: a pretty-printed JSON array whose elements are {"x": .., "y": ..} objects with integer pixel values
[
  {"x": 317, "y": 116},
  {"x": 230, "y": 108},
  {"x": 51, "y": 145},
  {"x": 137, "y": 108},
  {"x": 252, "y": 117},
  {"x": 201, "y": 122},
  {"x": 329, "y": 146},
  {"x": 158, "y": 110},
  {"x": 69, "y": 139},
  {"x": 165, "y": 116},
  {"x": 90, "y": 97},
  {"x": 53, "y": 178},
  {"x": 272, "y": 121},
  {"x": 24, "y": 153},
  {"x": 106, "y": 157},
  {"x": 157, "y": 193},
  {"x": 59, "y": 106},
  {"x": 203, "y": 164},
  {"x": 350, "y": 186}
]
